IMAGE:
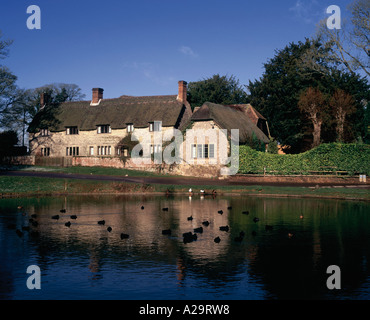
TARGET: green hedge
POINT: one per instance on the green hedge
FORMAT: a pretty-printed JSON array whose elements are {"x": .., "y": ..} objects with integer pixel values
[{"x": 333, "y": 157}]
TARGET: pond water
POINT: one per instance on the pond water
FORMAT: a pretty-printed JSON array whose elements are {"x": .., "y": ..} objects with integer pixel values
[{"x": 287, "y": 260}]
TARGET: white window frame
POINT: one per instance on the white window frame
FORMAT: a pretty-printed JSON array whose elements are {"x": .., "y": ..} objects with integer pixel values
[
  {"x": 106, "y": 126},
  {"x": 130, "y": 127},
  {"x": 211, "y": 151},
  {"x": 68, "y": 130},
  {"x": 155, "y": 126}
]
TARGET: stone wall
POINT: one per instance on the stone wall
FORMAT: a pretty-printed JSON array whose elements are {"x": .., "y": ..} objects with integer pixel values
[
  {"x": 19, "y": 160},
  {"x": 84, "y": 140}
]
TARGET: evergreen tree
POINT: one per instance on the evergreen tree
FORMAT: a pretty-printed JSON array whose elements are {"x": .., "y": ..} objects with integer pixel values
[{"x": 217, "y": 89}]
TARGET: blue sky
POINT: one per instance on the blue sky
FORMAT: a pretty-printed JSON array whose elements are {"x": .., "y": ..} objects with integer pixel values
[{"x": 143, "y": 47}]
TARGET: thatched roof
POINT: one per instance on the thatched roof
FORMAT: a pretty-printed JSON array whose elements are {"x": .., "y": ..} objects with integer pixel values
[
  {"x": 252, "y": 113},
  {"x": 230, "y": 117},
  {"x": 116, "y": 112}
]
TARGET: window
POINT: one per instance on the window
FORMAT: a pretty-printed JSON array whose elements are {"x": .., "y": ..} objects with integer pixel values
[
  {"x": 104, "y": 128},
  {"x": 91, "y": 151},
  {"x": 44, "y": 132},
  {"x": 130, "y": 127},
  {"x": 45, "y": 152},
  {"x": 155, "y": 126},
  {"x": 211, "y": 150},
  {"x": 206, "y": 151},
  {"x": 155, "y": 149},
  {"x": 193, "y": 151},
  {"x": 71, "y": 130},
  {"x": 104, "y": 150},
  {"x": 72, "y": 151},
  {"x": 202, "y": 151}
]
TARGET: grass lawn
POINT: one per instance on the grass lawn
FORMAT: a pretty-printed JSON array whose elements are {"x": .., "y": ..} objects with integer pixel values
[
  {"x": 33, "y": 186},
  {"x": 89, "y": 170}
]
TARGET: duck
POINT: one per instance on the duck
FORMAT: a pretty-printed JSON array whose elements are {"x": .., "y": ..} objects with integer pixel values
[
  {"x": 229, "y": 208},
  {"x": 224, "y": 228},
  {"x": 73, "y": 216},
  {"x": 166, "y": 231},
  {"x": 63, "y": 210},
  {"x": 301, "y": 216},
  {"x": 190, "y": 218},
  {"x": 20, "y": 207},
  {"x": 102, "y": 222},
  {"x": 68, "y": 224},
  {"x": 124, "y": 236},
  {"x": 142, "y": 207},
  {"x": 245, "y": 212},
  {"x": 109, "y": 229},
  {"x": 55, "y": 217},
  {"x": 255, "y": 219},
  {"x": 165, "y": 209},
  {"x": 189, "y": 237},
  {"x": 205, "y": 223},
  {"x": 19, "y": 233},
  {"x": 198, "y": 230},
  {"x": 290, "y": 235},
  {"x": 217, "y": 239},
  {"x": 220, "y": 211}
]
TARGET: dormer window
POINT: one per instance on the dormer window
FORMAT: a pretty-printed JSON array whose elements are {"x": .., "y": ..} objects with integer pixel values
[
  {"x": 44, "y": 132},
  {"x": 71, "y": 130},
  {"x": 130, "y": 127},
  {"x": 104, "y": 128},
  {"x": 155, "y": 126}
]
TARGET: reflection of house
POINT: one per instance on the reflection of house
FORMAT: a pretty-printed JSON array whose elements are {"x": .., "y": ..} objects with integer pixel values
[{"x": 98, "y": 131}]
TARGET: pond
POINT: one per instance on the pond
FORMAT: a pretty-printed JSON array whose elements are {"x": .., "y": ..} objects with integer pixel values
[{"x": 283, "y": 255}]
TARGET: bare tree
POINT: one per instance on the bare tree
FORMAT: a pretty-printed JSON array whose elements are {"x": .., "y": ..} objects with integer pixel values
[
  {"x": 342, "y": 104},
  {"x": 7, "y": 79},
  {"x": 312, "y": 102},
  {"x": 350, "y": 45}
]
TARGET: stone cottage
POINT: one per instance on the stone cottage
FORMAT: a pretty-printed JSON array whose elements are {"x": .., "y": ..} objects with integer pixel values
[{"x": 99, "y": 132}]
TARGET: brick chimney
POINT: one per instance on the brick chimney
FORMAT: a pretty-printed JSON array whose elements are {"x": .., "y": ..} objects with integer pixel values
[
  {"x": 97, "y": 95},
  {"x": 44, "y": 99},
  {"x": 182, "y": 91}
]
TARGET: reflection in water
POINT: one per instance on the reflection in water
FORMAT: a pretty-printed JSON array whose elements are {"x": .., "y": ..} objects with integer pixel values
[{"x": 84, "y": 261}]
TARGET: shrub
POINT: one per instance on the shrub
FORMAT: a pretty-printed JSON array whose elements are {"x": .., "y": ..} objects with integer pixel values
[{"x": 331, "y": 157}]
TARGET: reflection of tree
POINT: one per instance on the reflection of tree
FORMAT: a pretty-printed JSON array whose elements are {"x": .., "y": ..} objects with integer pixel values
[{"x": 295, "y": 268}]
